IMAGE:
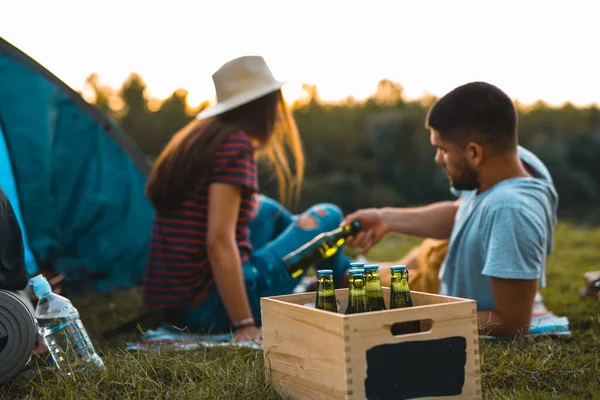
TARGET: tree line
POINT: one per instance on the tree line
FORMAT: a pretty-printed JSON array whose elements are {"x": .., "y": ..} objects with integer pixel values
[{"x": 377, "y": 152}]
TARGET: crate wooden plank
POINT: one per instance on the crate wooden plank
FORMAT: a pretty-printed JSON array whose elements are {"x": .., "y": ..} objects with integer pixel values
[{"x": 305, "y": 354}]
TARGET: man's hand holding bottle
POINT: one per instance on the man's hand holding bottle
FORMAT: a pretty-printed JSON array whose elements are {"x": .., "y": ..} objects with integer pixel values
[{"x": 372, "y": 228}]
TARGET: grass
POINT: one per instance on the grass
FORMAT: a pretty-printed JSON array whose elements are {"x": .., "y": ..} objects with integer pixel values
[{"x": 522, "y": 369}]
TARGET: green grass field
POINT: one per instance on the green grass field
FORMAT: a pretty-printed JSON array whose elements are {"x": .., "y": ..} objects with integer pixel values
[{"x": 524, "y": 369}]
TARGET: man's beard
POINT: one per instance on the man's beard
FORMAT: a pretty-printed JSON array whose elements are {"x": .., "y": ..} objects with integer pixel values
[{"x": 467, "y": 179}]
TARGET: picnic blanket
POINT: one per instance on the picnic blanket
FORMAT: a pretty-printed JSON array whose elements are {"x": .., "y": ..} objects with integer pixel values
[{"x": 169, "y": 338}]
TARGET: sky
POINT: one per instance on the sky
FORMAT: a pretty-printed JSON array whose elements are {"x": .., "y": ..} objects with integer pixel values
[{"x": 531, "y": 49}]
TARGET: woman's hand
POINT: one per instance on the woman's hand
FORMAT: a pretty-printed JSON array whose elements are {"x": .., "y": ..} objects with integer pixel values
[{"x": 247, "y": 333}]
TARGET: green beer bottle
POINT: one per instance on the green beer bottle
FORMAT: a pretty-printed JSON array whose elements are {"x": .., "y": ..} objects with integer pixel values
[
  {"x": 321, "y": 247},
  {"x": 374, "y": 291},
  {"x": 357, "y": 292},
  {"x": 400, "y": 297},
  {"x": 325, "y": 291}
]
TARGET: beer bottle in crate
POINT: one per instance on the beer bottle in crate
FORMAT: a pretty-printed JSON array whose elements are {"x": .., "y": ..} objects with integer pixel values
[
  {"x": 325, "y": 291},
  {"x": 357, "y": 292},
  {"x": 374, "y": 291},
  {"x": 321, "y": 247},
  {"x": 400, "y": 297}
]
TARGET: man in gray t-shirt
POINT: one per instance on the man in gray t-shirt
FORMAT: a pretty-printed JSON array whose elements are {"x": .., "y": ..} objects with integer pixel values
[{"x": 501, "y": 228}]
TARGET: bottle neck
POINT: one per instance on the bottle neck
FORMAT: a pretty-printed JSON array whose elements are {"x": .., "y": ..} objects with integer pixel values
[
  {"x": 399, "y": 283},
  {"x": 325, "y": 285},
  {"x": 357, "y": 286},
  {"x": 326, "y": 294},
  {"x": 399, "y": 291},
  {"x": 342, "y": 232},
  {"x": 373, "y": 282},
  {"x": 44, "y": 295}
]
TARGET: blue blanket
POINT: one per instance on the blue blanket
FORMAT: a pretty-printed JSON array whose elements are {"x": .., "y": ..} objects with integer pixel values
[{"x": 169, "y": 338}]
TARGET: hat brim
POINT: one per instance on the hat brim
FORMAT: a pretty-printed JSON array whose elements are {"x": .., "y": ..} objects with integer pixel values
[{"x": 239, "y": 100}]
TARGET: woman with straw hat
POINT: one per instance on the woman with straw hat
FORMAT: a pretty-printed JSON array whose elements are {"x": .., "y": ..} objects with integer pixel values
[{"x": 216, "y": 243}]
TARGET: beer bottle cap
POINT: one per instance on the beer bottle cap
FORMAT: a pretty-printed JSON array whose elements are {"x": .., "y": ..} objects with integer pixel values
[
  {"x": 398, "y": 267},
  {"x": 324, "y": 271},
  {"x": 371, "y": 266},
  {"x": 356, "y": 271}
]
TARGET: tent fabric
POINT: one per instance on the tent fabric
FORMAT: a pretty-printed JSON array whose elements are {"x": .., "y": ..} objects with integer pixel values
[
  {"x": 13, "y": 273},
  {"x": 79, "y": 178},
  {"x": 9, "y": 187}
]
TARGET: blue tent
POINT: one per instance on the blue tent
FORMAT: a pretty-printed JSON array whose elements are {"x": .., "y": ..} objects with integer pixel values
[{"x": 74, "y": 178}]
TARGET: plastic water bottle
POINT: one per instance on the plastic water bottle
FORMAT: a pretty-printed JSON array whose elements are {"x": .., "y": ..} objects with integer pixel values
[{"x": 62, "y": 330}]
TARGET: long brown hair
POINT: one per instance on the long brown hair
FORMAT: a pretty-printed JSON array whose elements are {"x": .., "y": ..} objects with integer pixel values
[{"x": 184, "y": 166}]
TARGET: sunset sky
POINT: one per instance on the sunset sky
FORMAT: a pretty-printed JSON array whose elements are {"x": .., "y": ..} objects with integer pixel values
[{"x": 531, "y": 49}]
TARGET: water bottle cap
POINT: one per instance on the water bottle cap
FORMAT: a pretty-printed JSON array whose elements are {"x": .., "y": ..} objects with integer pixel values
[
  {"x": 324, "y": 272},
  {"x": 40, "y": 285},
  {"x": 398, "y": 267},
  {"x": 356, "y": 271},
  {"x": 371, "y": 266}
]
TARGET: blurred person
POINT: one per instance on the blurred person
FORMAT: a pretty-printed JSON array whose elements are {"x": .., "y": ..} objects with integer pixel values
[
  {"x": 217, "y": 244},
  {"x": 491, "y": 243}
]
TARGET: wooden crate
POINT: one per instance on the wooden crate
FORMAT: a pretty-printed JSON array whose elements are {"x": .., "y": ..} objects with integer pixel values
[{"x": 314, "y": 354}]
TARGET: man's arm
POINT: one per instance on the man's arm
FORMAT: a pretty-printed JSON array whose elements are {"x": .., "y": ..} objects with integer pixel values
[
  {"x": 433, "y": 221},
  {"x": 511, "y": 315},
  {"x": 514, "y": 250}
]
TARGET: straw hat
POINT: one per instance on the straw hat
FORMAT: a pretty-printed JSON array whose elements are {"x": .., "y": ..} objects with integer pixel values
[{"x": 238, "y": 82}]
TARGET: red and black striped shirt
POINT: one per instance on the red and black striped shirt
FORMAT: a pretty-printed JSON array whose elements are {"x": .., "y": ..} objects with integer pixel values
[{"x": 178, "y": 269}]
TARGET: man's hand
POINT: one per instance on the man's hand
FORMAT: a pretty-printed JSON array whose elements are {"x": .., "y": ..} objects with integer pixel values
[{"x": 372, "y": 228}]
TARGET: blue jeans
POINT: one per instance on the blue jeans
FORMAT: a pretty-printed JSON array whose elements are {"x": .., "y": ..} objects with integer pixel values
[{"x": 274, "y": 234}]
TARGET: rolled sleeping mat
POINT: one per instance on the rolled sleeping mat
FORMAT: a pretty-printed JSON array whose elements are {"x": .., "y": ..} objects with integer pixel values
[{"x": 18, "y": 331}]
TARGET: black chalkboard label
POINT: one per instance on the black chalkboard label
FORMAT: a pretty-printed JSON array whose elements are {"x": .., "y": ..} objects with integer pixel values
[{"x": 416, "y": 369}]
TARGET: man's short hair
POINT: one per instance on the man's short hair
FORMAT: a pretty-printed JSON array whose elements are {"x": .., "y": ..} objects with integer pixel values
[{"x": 475, "y": 111}]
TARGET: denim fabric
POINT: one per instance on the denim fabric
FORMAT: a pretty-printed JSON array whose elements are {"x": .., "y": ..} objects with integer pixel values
[{"x": 274, "y": 234}]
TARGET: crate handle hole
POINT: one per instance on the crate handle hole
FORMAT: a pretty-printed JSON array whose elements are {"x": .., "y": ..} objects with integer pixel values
[{"x": 410, "y": 327}]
